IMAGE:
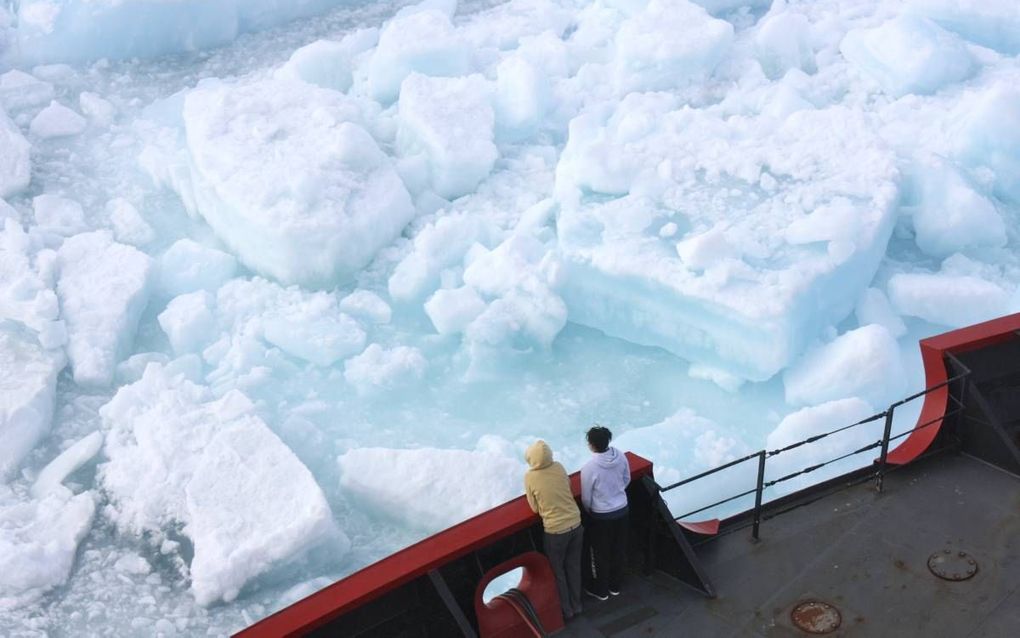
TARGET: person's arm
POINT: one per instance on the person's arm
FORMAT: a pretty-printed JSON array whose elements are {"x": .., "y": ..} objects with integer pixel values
[
  {"x": 532, "y": 503},
  {"x": 626, "y": 470},
  {"x": 587, "y": 478}
]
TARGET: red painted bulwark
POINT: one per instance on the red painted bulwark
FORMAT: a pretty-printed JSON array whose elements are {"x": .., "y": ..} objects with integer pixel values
[
  {"x": 404, "y": 566},
  {"x": 933, "y": 352},
  {"x": 497, "y": 619}
]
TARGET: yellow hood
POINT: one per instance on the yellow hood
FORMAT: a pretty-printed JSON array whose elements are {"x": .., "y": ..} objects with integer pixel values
[{"x": 539, "y": 455}]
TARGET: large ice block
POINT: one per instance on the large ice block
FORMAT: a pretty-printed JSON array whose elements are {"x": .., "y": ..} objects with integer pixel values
[
  {"x": 103, "y": 287},
  {"x": 28, "y": 383},
  {"x": 177, "y": 456},
  {"x": 289, "y": 179},
  {"x": 15, "y": 163},
  {"x": 785, "y": 226},
  {"x": 992, "y": 23}
]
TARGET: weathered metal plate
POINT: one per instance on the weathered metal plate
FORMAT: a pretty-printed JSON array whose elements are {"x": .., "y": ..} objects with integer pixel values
[
  {"x": 816, "y": 617},
  {"x": 950, "y": 565}
]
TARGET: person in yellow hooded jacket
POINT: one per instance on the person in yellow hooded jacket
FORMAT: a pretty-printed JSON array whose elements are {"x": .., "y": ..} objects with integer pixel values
[{"x": 547, "y": 489}]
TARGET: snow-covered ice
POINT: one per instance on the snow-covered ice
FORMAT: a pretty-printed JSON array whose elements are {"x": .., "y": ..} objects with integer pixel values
[
  {"x": 104, "y": 287},
  {"x": 179, "y": 456},
  {"x": 319, "y": 282}
]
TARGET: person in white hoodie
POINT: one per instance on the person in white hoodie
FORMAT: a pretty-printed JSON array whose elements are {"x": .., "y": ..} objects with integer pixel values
[{"x": 604, "y": 480}]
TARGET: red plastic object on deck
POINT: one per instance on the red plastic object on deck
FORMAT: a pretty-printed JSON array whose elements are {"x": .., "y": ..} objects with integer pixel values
[
  {"x": 497, "y": 619},
  {"x": 933, "y": 353},
  {"x": 709, "y": 527}
]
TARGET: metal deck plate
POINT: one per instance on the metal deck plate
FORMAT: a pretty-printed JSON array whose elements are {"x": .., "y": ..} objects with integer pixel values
[{"x": 950, "y": 565}]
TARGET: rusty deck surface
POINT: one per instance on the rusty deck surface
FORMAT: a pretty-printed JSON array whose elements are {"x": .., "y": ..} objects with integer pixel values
[{"x": 864, "y": 553}]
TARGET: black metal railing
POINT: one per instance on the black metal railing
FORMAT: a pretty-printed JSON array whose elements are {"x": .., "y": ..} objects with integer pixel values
[{"x": 881, "y": 464}]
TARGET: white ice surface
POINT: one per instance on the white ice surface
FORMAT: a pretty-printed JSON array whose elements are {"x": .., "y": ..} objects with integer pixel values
[
  {"x": 129, "y": 227},
  {"x": 56, "y": 120},
  {"x": 20, "y": 90},
  {"x": 992, "y": 24},
  {"x": 188, "y": 266},
  {"x": 908, "y": 55},
  {"x": 15, "y": 160},
  {"x": 179, "y": 456},
  {"x": 948, "y": 300},
  {"x": 93, "y": 267},
  {"x": 69, "y": 461},
  {"x": 861, "y": 363},
  {"x": 28, "y": 383},
  {"x": 38, "y": 542},
  {"x": 416, "y": 480},
  {"x": 289, "y": 179}
]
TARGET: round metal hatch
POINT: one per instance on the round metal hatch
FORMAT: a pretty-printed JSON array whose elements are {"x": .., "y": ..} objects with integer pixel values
[
  {"x": 816, "y": 617},
  {"x": 950, "y": 565}
]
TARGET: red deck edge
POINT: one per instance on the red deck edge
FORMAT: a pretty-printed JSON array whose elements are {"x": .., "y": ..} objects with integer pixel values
[
  {"x": 933, "y": 352},
  {"x": 397, "y": 569}
]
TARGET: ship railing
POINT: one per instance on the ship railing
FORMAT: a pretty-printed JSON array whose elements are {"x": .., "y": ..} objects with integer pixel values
[{"x": 881, "y": 465}]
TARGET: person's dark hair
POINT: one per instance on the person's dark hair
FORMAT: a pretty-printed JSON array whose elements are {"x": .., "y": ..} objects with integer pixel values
[{"x": 599, "y": 438}]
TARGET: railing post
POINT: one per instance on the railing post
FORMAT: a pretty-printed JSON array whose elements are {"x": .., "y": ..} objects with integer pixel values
[
  {"x": 880, "y": 475},
  {"x": 759, "y": 488}
]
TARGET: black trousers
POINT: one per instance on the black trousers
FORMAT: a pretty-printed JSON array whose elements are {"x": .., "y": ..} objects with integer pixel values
[
  {"x": 564, "y": 553},
  {"x": 608, "y": 540}
]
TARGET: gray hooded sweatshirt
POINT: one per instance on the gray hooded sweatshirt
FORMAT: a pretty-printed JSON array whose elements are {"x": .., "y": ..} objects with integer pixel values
[{"x": 604, "y": 480}]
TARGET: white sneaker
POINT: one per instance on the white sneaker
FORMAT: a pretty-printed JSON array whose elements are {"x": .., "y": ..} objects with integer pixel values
[
  {"x": 596, "y": 596},
  {"x": 613, "y": 593}
]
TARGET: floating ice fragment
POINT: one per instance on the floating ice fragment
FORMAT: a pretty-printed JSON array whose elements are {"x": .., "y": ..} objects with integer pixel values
[
  {"x": 189, "y": 322},
  {"x": 103, "y": 288},
  {"x": 948, "y": 300},
  {"x": 381, "y": 368},
  {"x": 58, "y": 214},
  {"x": 992, "y": 24},
  {"x": 783, "y": 42},
  {"x": 987, "y": 138},
  {"x": 19, "y": 90},
  {"x": 100, "y": 111},
  {"x": 15, "y": 161},
  {"x": 28, "y": 380},
  {"x": 908, "y": 55},
  {"x": 468, "y": 481},
  {"x": 129, "y": 227},
  {"x": 322, "y": 340},
  {"x": 68, "y": 462},
  {"x": 367, "y": 305},
  {"x": 38, "y": 543},
  {"x": 873, "y": 307},
  {"x": 669, "y": 44},
  {"x": 951, "y": 216},
  {"x": 450, "y": 121},
  {"x": 56, "y": 120},
  {"x": 328, "y": 63},
  {"x": 862, "y": 363},
  {"x": 422, "y": 42},
  {"x": 452, "y": 310},
  {"x": 188, "y": 266},
  {"x": 179, "y": 457}
]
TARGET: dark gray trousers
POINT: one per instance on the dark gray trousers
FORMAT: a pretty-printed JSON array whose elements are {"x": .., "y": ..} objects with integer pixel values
[{"x": 564, "y": 553}]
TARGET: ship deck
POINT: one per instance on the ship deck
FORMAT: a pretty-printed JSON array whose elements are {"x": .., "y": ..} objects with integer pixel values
[{"x": 864, "y": 552}]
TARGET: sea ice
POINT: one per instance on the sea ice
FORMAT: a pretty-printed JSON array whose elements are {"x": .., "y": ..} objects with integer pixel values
[
  {"x": 67, "y": 462},
  {"x": 951, "y": 216},
  {"x": 861, "y": 363},
  {"x": 945, "y": 299},
  {"x": 58, "y": 214},
  {"x": 188, "y": 266},
  {"x": 452, "y": 310},
  {"x": 451, "y": 122},
  {"x": 19, "y": 90},
  {"x": 38, "y": 542},
  {"x": 384, "y": 368},
  {"x": 467, "y": 482},
  {"x": 97, "y": 109},
  {"x": 874, "y": 307},
  {"x": 188, "y": 321},
  {"x": 177, "y": 456},
  {"x": 986, "y": 139},
  {"x": 522, "y": 97},
  {"x": 78, "y": 30},
  {"x": 56, "y": 120},
  {"x": 783, "y": 42},
  {"x": 669, "y": 44},
  {"x": 289, "y": 179},
  {"x": 422, "y": 42},
  {"x": 745, "y": 300},
  {"x": 129, "y": 227},
  {"x": 908, "y": 55},
  {"x": 992, "y": 24},
  {"x": 328, "y": 63},
  {"x": 322, "y": 340},
  {"x": 814, "y": 420},
  {"x": 365, "y": 304},
  {"x": 103, "y": 288},
  {"x": 26, "y": 289},
  {"x": 15, "y": 161},
  {"x": 28, "y": 381}
]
